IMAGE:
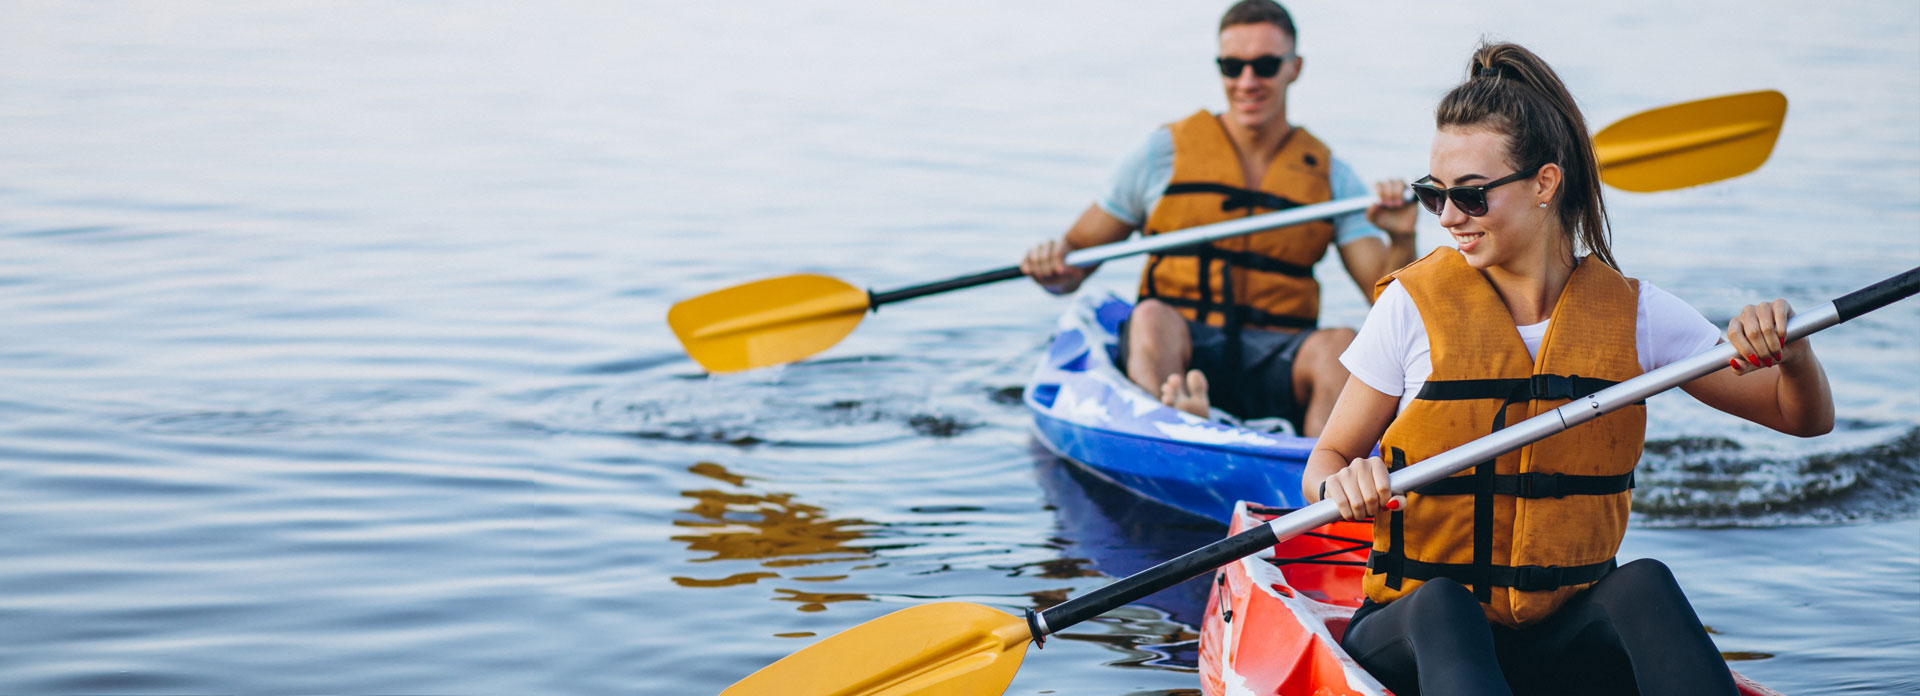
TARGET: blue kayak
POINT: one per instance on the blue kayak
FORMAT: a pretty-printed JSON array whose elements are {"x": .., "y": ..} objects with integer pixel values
[{"x": 1088, "y": 412}]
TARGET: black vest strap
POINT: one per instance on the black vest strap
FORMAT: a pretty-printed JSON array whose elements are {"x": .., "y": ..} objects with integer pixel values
[
  {"x": 1396, "y": 522},
  {"x": 1152, "y": 289},
  {"x": 1483, "y": 475},
  {"x": 1514, "y": 390},
  {"x": 1534, "y": 484},
  {"x": 1235, "y": 314},
  {"x": 1236, "y": 197},
  {"x": 1485, "y": 482},
  {"x": 1207, "y": 305},
  {"x": 1521, "y": 578}
]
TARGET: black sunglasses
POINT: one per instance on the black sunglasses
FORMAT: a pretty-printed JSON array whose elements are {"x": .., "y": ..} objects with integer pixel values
[
  {"x": 1471, "y": 200},
  {"x": 1264, "y": 66}
]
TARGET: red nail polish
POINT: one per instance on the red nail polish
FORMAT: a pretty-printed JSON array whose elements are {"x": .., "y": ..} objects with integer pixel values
[
  {"x": 1393, "y": 504},
  {"x": 1783, "y": 341},
  {"x": 1753, "y": 360},
  {"x": 1768, "y": 362},
  {"x": 1735, "y": 363}
]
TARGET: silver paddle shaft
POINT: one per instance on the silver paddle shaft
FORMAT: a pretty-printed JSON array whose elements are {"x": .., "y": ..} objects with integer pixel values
[
  {"x": 1540, "y": 427},
  {"x": 1219, "y": 230}
]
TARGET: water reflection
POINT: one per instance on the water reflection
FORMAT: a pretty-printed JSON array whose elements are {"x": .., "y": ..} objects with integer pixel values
[
  {"x": 1118, "y": 533},
  {"x": 773, "y": 528},
  {"x": 1106, "y": 530},
  {"x": 1059, "y": 568}
]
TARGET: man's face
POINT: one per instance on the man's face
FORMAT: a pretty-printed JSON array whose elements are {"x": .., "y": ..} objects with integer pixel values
[{"x": 1254, "y": 101}]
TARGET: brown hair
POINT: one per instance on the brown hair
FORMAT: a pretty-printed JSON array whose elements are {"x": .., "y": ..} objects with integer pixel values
[
  {"x": 1259, "y": 12},
  {"x": 1513, "y": 91}
]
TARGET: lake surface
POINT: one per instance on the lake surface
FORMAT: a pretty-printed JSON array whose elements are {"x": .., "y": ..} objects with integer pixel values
[{"x": 333, "y": 355}]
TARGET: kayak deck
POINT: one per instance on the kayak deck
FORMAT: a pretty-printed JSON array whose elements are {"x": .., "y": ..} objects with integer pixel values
[{"x": 1274, "y": 620}]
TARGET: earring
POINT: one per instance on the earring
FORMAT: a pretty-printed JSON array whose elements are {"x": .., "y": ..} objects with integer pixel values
[{"x": 1543, "y": 205}]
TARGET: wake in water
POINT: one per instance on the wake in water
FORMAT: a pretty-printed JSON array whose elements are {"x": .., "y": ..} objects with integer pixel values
[
  {"x": 835, "y": 402},
  {"x": 815, "y": 404},
  {"x": 1718, "y": 482}
]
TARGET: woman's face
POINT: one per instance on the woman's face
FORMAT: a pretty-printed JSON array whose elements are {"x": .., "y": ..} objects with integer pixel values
[{"x": 1515, "y": 227}]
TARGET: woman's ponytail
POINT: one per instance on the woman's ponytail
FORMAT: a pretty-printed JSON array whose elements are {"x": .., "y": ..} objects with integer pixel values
[{"x": 1513, "y": 91}]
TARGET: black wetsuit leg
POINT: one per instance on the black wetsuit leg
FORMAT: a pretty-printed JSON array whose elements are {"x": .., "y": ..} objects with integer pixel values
[
  {"x": 1631, "y": 633},
  {"x": 1433, "y": 642}
]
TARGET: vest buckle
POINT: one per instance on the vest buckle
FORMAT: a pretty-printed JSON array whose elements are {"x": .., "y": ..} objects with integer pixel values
[
  {"x": 1536, "y": 578},
  {"x": 1551, "y": 386},
  {"x": 1535, "y": 484}
]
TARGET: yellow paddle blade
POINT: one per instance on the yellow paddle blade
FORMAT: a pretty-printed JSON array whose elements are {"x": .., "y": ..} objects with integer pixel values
[
  {"x": 943, "y": 649},
  {"x": 1690, "y": 144},
  {"x": 767, "y": 322}
]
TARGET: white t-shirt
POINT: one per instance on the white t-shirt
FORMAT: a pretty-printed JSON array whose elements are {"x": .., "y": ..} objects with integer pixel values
[{"x": 1392, "y": 354}]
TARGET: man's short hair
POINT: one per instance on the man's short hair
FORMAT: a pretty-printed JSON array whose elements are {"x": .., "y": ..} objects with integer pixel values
[{"x": 1259, "y": 12}]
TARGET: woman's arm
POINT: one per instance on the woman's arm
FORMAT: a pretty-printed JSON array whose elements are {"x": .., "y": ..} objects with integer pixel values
[
  {"x": 1778, "y": 385},
  {"x": 1355, "y": 481}
]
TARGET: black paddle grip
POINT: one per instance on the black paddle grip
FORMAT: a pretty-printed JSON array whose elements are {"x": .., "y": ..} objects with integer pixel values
[
  {"x": 1878, "y": 295},
  {"x": 1159, "y": 577},
  {"x": 875, "y": 299}
]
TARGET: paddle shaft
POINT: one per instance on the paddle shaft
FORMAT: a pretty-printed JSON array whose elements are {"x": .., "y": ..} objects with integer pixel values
[
  {"x": 1660, "y": 138},
  {"x": 1513, "y": 437},
  {"x": 1143, "y": 245}
]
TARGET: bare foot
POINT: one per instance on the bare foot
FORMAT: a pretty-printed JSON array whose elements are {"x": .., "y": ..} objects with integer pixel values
[{"x": 1188, "y": 394}]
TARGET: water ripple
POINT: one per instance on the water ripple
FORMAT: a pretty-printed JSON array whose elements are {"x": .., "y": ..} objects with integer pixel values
[{"x": 1717, "y": 482}]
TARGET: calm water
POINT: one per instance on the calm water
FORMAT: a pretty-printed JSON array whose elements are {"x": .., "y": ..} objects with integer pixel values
[{"x": 333, "y": 355}]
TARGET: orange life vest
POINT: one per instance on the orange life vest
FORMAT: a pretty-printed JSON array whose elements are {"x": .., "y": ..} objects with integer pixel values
[
  {"x": 1529, "y": 530},
  {"x": 1264, "y": 279}
]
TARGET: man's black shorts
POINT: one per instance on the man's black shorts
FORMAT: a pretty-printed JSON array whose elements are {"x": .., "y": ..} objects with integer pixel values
[{"x": 1262, "y": 387}]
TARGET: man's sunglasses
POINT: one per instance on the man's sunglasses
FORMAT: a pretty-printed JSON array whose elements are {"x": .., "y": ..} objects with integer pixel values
[
  {"x": 1471, "y": 200},
  {"x": 1264, "y": 66}
]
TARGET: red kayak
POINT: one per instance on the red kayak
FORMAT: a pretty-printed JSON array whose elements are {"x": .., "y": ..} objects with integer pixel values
[{"x": 1274, "y": 619}]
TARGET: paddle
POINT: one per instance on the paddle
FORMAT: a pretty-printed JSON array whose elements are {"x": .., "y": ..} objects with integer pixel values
[
  {"x": 959, "y": 648},
  {"x": 780, "y": 320},
  {"x": 1681, "y": 145}
]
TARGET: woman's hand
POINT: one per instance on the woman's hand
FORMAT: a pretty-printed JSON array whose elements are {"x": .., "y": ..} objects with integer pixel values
[
  {"x": 1758, "y": 335},
  {"x": 1393, "y": 213},
  {"x": 1795, "y": 400},
  {"x": 1046, "y": 264},
  {"x": 1361, "y": 489}
]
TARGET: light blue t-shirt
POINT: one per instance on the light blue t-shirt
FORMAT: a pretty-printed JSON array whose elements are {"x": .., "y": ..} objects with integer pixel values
[{"x": 1142, "y": 176}]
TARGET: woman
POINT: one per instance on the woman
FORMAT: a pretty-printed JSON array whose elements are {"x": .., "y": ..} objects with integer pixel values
[{"x": 1501, "y": 579}]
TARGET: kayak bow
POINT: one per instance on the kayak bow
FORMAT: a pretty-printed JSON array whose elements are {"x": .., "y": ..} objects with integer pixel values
[{"x": 1088, "y": 412}]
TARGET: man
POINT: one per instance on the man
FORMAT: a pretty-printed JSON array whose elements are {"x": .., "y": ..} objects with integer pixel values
[{"x": 1234, "y": 323}]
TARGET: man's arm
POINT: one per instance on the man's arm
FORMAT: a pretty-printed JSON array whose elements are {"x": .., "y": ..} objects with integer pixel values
[
  {"x": 1368, "y": 259},
  {"x": 1046, "y": 263}
]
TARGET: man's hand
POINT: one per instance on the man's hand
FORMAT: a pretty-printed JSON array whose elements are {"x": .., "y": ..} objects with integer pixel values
[
  {"x": 1046, "y": 264},
  {"x": 1393, "y": 213}
]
